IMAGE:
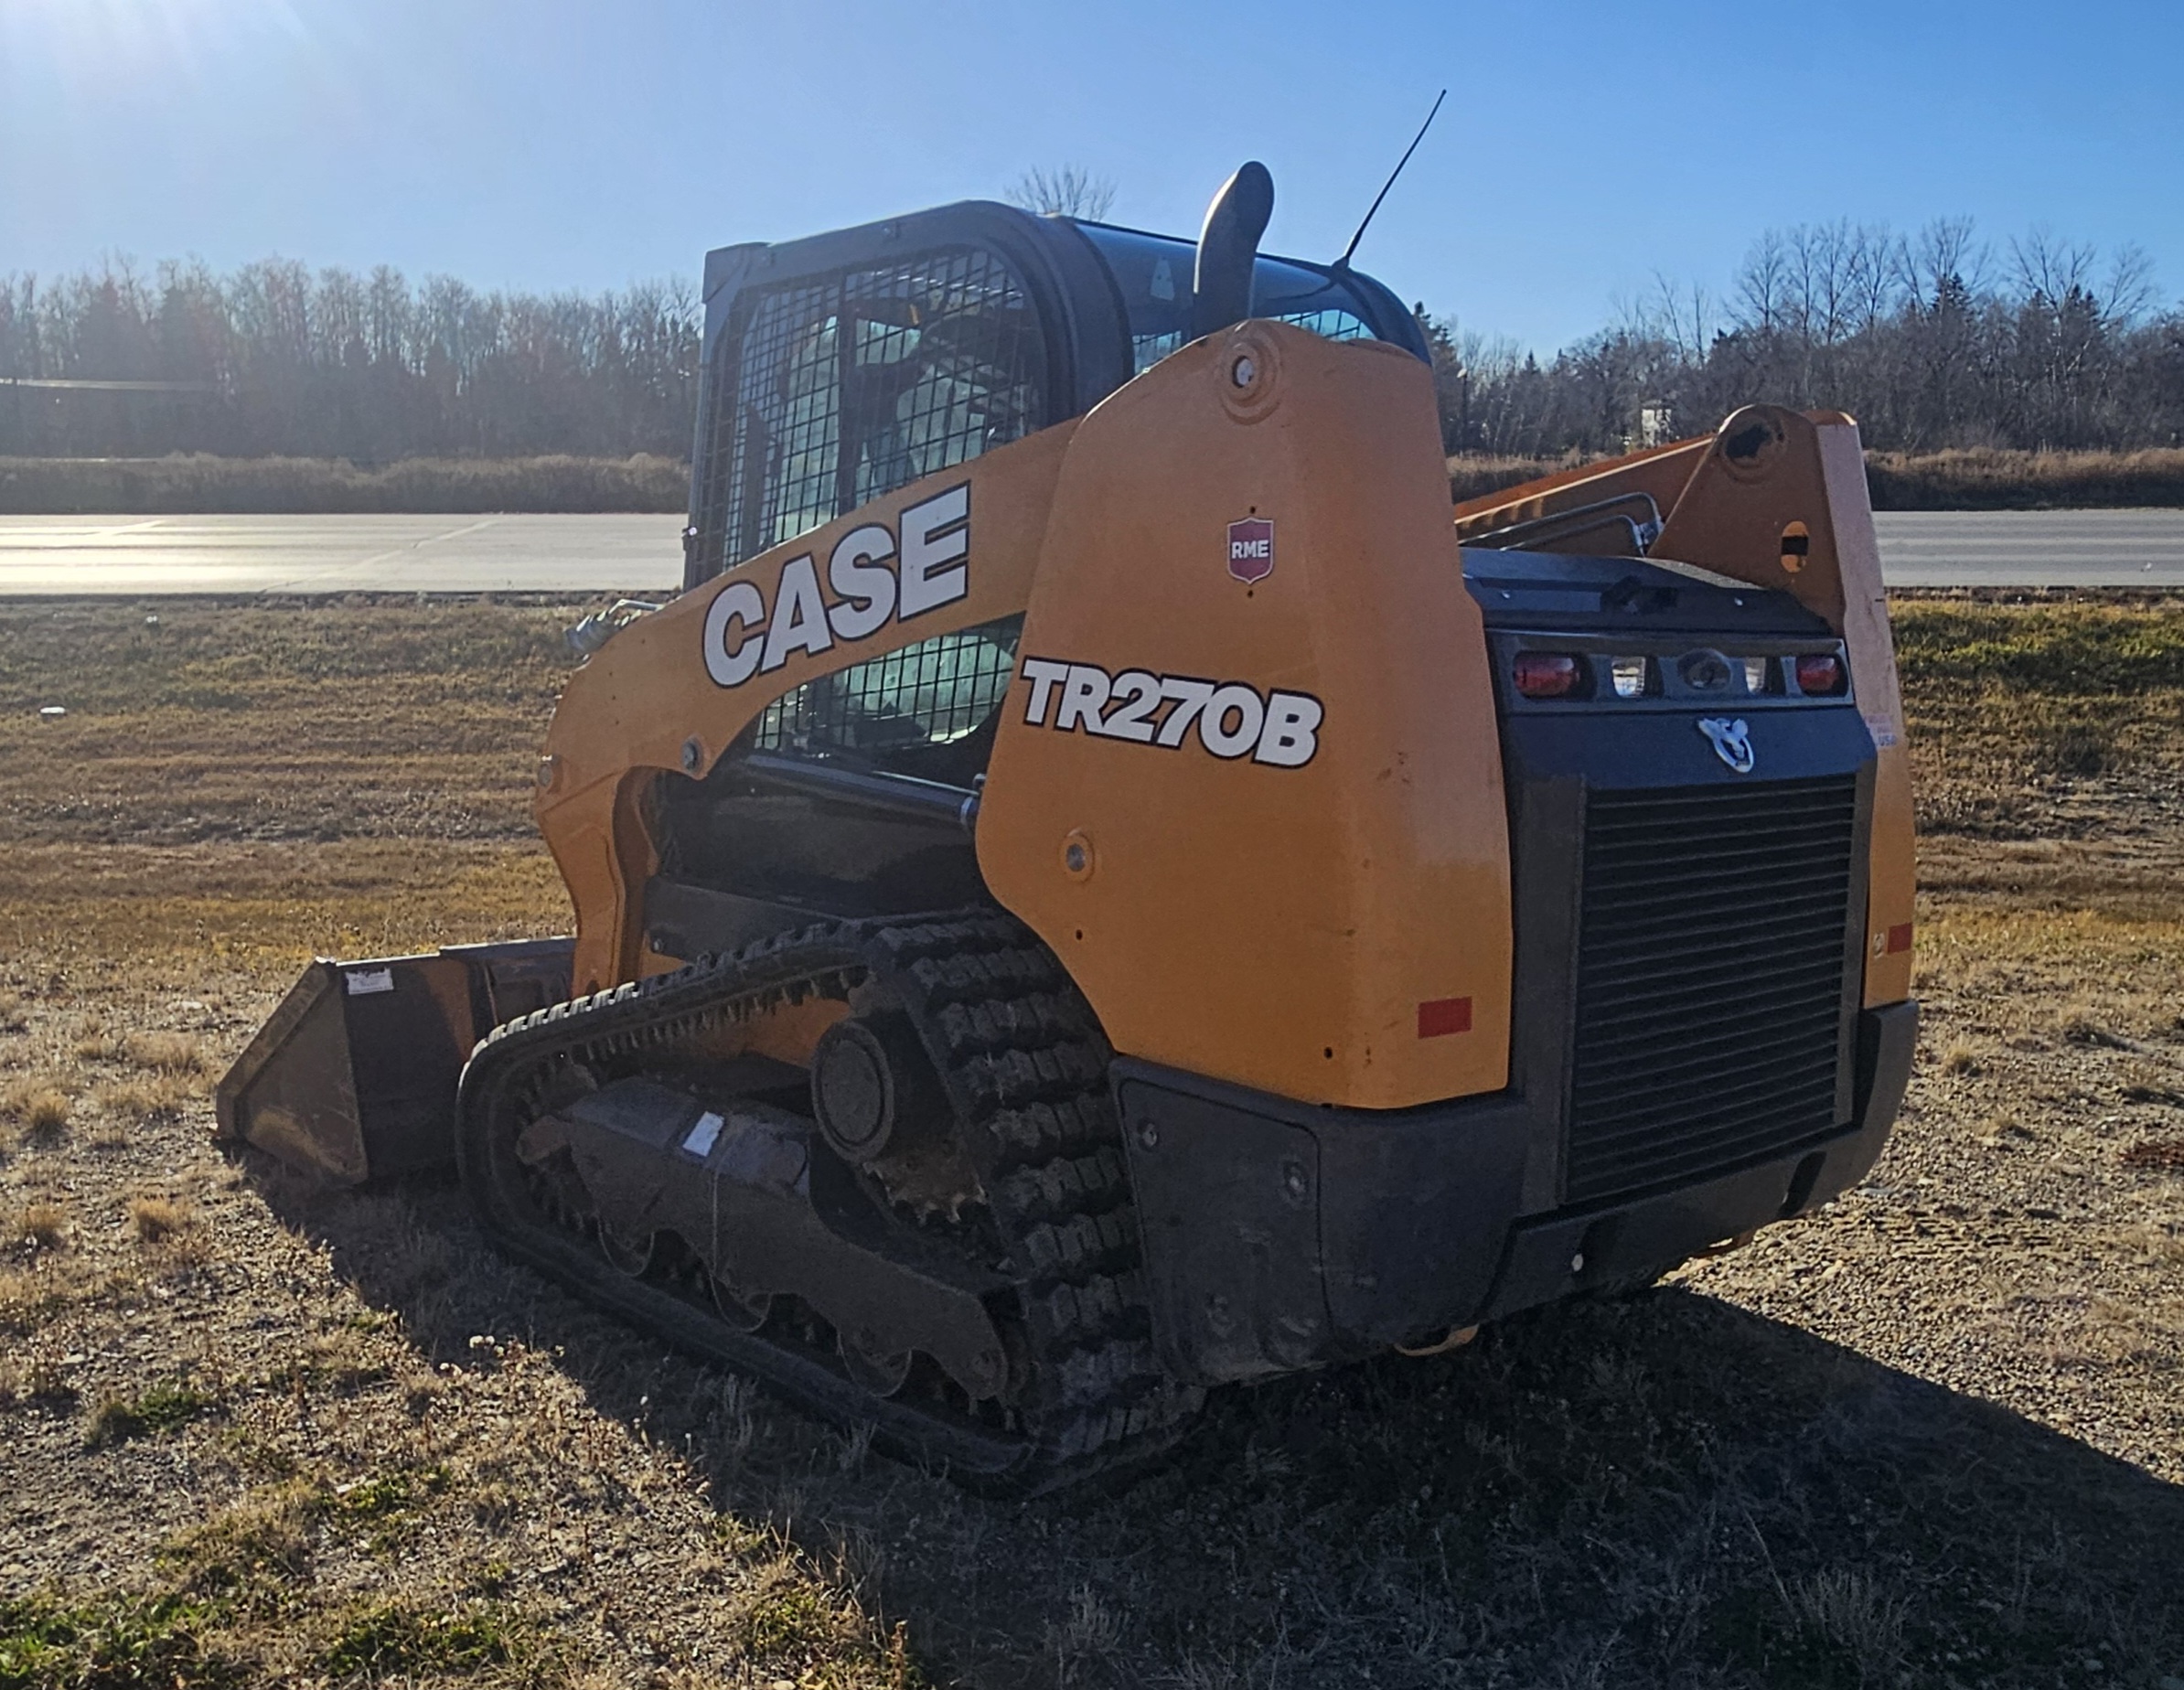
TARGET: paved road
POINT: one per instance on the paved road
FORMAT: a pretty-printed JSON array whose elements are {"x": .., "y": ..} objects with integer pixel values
[
  {"x": 2030, "y": 548},
  {"x": 134, "y": 555}
]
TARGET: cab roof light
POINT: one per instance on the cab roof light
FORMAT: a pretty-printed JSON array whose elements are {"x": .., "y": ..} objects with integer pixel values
[{"x": 1549, "y": 674}]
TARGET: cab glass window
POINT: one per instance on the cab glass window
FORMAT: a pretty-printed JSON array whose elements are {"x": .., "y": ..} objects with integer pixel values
[
  {"x": 927, "y": 709},
  {"x": 1153, "y": 273}
]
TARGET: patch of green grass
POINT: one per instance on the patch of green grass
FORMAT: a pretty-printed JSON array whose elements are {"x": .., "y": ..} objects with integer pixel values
[
  {"x": 383, "y": 1494},
  {"x": 389, "y": 1638},
  {"x": 787, "y": 1620},
  {"x": 115, "y": 1643},
  {"x": 2069, "y": 649},
  {"x": 381, "y": 1508},
  {"x": 162, "y": 1408}
]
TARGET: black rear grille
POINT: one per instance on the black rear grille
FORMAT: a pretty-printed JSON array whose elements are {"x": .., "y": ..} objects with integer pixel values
[{"x": 1710, "y": 978}]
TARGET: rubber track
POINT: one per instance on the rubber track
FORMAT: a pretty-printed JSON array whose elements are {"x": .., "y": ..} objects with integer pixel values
[{"x": 1024, "y": 1066}]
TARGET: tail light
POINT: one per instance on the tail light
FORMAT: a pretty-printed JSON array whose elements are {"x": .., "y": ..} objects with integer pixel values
[
  {"x": 1821, "y": 675},
  {"x": 1631, "y": 677},
  {"x": 1548, "y": 674}
]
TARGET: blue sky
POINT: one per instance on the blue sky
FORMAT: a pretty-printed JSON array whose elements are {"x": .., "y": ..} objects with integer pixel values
[{"x": 1586, "y": 147}]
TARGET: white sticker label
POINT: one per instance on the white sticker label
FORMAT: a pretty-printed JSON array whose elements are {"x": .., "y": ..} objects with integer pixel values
[
  {"x": 877, "y": 577},
  {"x": 1231, "y": 718},
  {"x": 701, "y": 1138},
  {"x": 363, "y": 982}
]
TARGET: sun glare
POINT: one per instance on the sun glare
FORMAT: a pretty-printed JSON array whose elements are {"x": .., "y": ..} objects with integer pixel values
[{"x": 75, "y": 38}]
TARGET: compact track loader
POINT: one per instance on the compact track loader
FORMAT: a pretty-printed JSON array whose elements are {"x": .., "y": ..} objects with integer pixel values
[{"x": 1103, "y": 883}]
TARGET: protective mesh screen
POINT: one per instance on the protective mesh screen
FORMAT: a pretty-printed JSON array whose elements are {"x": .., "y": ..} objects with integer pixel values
[
  {"x": 839, "y": 389},
  {"x": 933, "y": 693}
]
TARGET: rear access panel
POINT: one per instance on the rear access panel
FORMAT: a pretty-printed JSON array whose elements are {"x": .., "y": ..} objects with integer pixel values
[{"x": 353, "y": 1077}]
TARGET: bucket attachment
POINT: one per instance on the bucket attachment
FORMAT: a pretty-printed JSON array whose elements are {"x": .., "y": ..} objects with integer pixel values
[{"x": 353, "y": 1077}]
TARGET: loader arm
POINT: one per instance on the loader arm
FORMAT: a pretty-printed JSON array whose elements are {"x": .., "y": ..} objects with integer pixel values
[{"x": 668, "y": 697}]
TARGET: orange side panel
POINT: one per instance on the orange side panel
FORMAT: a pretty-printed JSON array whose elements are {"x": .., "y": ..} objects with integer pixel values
[
  {"x": 1894, "y": 853},
  {"x": 1333, "y": 928},
  {"x": 670, "y": 693}
]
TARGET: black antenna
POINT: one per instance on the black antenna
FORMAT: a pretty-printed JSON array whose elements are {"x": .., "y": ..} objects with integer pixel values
[{"x": 1343, "y": 261}]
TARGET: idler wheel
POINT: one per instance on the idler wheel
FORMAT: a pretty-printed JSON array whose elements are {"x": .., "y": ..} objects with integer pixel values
[
  {"x": 627, "y": 1253},
  {"x": 862, "y": 1359},
  {"x": 745, "y": 1311},
  {"x": 873, "y": 1086}
]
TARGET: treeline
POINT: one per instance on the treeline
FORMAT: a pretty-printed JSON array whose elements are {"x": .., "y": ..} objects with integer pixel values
[
  {"x": 277, "y": 359},
  {"x": 1937, "y": 341},
  {"x": 1933, "y": 341}
]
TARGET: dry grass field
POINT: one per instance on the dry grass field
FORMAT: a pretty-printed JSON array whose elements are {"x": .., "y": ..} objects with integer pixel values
[
  {"x": 1934, "y": 1437},
  {"x": 1987, "y": 478}
]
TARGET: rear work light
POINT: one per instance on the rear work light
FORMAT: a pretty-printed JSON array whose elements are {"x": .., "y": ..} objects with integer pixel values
[
  {"x": 1548, "y": 674},
  {"x": 1822, "y": 675}
]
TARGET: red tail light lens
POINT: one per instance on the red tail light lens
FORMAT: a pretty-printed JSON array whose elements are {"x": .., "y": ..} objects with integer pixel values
[
  {"x": 1548, "y": 674},
  {"x": 1821, "y": 675}
]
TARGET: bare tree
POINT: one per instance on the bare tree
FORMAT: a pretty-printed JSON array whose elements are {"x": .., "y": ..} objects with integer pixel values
[
  {"x": 1070, "y": 191},
  {"x": 1947, "y": 251}
]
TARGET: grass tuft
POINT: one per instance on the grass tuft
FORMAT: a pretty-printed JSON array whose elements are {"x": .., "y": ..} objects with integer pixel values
[
  {"x": 155, "y": 1220},
  {"x": 391, "y": 1638},
  {"x": 38, "y": 1105},
  {"x": 790, "y": 1616},
  {"x": 2082, "y": 1026},
  {"x": 250, "y": 1550},
  {"x": 35, "y": 1383},
  {"x": 165, "y": 1053},
  {"x": 162, "y": 1408},
  {"x": 43, "y": 1226},
  {"x": 29, "y": 1298}
]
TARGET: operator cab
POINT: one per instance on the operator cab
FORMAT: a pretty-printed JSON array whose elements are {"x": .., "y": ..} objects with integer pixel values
[{"x": 839, "y": 368}]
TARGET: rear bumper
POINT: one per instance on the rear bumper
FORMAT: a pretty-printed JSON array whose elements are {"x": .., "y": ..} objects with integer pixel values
[{"x": 1280, "y": 1235}]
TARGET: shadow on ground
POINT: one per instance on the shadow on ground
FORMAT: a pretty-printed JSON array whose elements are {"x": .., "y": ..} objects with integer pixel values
[{"x": 1670, "y": 1491}]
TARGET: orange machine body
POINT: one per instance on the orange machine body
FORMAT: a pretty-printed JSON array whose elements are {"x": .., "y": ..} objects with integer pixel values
[
  {"x": 1327, "y": 919},
  {"x": 1333, "y": 928}
]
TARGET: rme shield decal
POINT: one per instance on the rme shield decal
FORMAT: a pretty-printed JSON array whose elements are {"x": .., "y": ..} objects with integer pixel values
[
  {"x": 877, "y": 579},
  {"x": 1231, "y": 718}
]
